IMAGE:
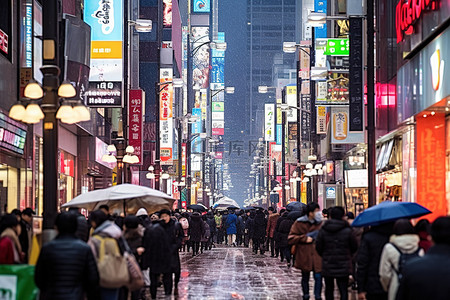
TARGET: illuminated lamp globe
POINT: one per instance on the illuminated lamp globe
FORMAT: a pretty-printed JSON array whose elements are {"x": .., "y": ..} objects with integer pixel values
[
  {"x": 135, "y": 159},
  {"x": 182, "y": 183},
  {"x": 65, "y": 112},
  {"x": 129, "y": 149},
  {"x": 66, "y": 90},
  {"x": 150, "y": 175},
  {"x": 127, "y": 159},
  {"x": 309, "y": 166},
  {"x": 17, "y": 112},
  {"x": 33, "y": 91},
  {"x": 33, "y": 114},
  {"x": 165, "y": 176},
  {"x": 306, "y": 179},
  {"x": 83, "y": 112},
  {"x": 287, "y": 187},
  {"x": 111, "y": 148},
  {"x": 151, "y": 168},
  {"x": 320, "y": 172}
]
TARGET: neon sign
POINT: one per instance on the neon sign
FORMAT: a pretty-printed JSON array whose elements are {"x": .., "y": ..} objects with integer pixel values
[{"x": 408, "y": 13}]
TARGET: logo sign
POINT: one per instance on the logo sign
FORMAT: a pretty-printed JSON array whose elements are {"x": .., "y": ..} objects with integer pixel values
[
  {"x": 437, "y": 69},
  {"x": 218, "y": 106},
  {"x": 331, "y": 192},
  {"x": 12, "y": 134},
  {"x": 269, "y": 122},
  {"x": 337, "y": 47},
  {"x": 166, "y": 117},
  {"x": 135, "y": 113},
  {"x": 218, "y": 127},
  {"x": 291, "y": 100},
  {"x": 202, "y": 6},
  {"x": 407, "y": 13}
]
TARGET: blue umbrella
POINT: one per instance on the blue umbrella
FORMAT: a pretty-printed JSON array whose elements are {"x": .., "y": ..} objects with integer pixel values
[
  {"x": 295, "y": 206},
  {"x": 389, "y": 211}
]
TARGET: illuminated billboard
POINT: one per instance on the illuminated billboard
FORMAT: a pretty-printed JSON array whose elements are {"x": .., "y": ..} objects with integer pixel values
[{"x": 166, "y": 117}]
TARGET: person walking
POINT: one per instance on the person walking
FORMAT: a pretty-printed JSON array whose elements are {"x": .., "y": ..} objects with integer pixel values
[
  {"x": 26, "y": 233},
  {"x": 231, "y": 225},
  {"x": 336, "y": 244},
  {"x": 422, "y": 229},
  {"x": 184, "y": 222},
  {"x": 206, "y": 235},
  {"x": 212, "y": 228},
  {"x": 82, "y": 225},
  {"x": 270, "y": 231},
  {"x": 157, "y": 256},
  {"x": 249, "y": 225},
  {"x": 218, "y": 219},
  {"x": 196, "y": 230},
  {"x": 224, "y": 226},
  {"x": 427, "y": 277},
  {"x": 403, "y": 241},
  {"x": 259, "y": 225},
  {"x": 368, "y": 262},
  {"x": 302, "y": 237},
  {"x": 174, "y": 233},
  {"x": 284, "y": 224},
  {"x": 10, "y": 247},
  {"x": 66, "y": 267},
  {"x": 106, "y": 242},
  {"x": 240, "y": 228}
]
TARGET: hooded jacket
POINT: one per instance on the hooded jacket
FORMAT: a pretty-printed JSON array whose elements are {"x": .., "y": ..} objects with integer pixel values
[
  {"x": 306, "y": 257},
  {"x": 106, "y": 229},
  {"x": 389, "y": 264},
  {"x": 336, "y": 244}
]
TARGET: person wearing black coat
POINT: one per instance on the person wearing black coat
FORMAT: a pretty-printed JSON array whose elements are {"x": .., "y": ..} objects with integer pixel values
[
  {"x": 249, "y": 226},
  {"x": 368, "y": 261},
  {"x": 212, "y": 228},
  {"x": 259, "y": 232},
  {"x": 175, "y": 236},
  {"x": 157, "y": 256},
  {"x": 282, "y": 230},
  {"x": 196, "y": 231},
  {"x": 336, "y": 244},
  {"x": 66, "y": 268},
  {"x": 82, "y": 225},
  {"x": 427, "y": 277},
  {"x": 240, "y": 228}
]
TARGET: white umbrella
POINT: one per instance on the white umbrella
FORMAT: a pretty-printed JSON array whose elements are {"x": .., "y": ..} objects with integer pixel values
[
  {"x": 225, "y": 202},
  {"x": 125, "y": 197}
]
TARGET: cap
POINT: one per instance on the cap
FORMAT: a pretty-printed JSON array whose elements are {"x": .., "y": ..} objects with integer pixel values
[
  {"x": 142, "y": 212},
  {"x": 28, "y": 211}
]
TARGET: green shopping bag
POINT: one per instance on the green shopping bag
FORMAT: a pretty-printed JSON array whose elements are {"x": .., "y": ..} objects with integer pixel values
[{"x": 17, "y": 282}]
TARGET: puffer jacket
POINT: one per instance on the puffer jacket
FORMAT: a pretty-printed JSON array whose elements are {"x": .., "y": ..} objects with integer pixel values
[
  {"x": 407, "y": 243},
  {"x": 66, "y": 269},
  {"x": 336, "y": 244}
]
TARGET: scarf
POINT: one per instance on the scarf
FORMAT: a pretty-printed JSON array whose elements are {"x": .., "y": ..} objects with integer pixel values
[{"x": 11, "y": 234}]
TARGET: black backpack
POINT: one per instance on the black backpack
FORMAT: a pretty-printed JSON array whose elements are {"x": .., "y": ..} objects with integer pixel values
[{"x": 403, "y": 259}]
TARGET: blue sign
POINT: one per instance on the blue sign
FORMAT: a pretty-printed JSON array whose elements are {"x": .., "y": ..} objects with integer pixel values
[
  {"x": 105, "y": 18},
  {"x": 220, "y": 39},
  {"x": 202, "y": 6},
  {"x": 320, "y": 6},
  {"x": 331, "y": 192},
  {"x": 196, "y": 145},
  {"x": 217, "y": 72},
  {"x": 279, "y": 133}
]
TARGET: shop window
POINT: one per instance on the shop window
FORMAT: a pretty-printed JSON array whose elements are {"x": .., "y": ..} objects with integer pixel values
[{"x": 67, "y": 172}]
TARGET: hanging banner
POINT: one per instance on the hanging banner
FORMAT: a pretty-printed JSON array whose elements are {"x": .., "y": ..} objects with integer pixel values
[
  {"x": 291, "y": 100},
  {"x": 269, "y": 121},
  {"x": 321, "y": 6},
  {"x": 321, "y": 120},
  {"x": 218, "y": 127},
  {"x": 218, "y": 106},
  {"x": 200, "y": 72},
  {"x": 183, "y": 159},
  {"x": 135, "y": 115},
  {"x": 196, "y": 144},
  {"x": 356, "y": 90},
  {"x": 105, "y": 18},
  {"x": 166, "y": 117}
]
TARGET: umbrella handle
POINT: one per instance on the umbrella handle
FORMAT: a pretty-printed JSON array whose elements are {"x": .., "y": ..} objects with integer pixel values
[{"x": 124, "y": 208}]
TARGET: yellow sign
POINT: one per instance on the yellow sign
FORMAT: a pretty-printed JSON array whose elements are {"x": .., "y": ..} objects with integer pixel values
[{"x": 106, "y": 49}]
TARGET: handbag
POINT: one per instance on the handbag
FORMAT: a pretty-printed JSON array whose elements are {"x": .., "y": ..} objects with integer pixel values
[
  {"x": 136, "y": 281},
  {"x": 112, "y": 266}
]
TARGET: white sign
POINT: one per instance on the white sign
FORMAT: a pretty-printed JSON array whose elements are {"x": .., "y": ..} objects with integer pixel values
[
  {"x": 8, "y": 284},
  {"x": 269, "y": 122},
  {"x": 356, "y": 178},
  {"x": 291, "y": 100}
]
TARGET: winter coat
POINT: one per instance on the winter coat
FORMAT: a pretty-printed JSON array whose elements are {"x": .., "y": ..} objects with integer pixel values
[
  {"x": 282, "y": 232},
  {"x": 218, "y": 220},
  {"x": 240, "y": 225},
  {"x": 306, "y": 257},
  {"x": 133, "y": 237},
  {"x": 424, "y": 243},
  {"x": 249, "y": 225},
  {"x": 212, "y": 223},
  {"x": 10, "y": 248},
  {"x": 259, "y": 225},
  {"x": 107, "y": 229},
  {"x": 407, "y": 243},
  {"x": 196, "y": 228},
  {"x": 207, "y": 233},
  {"x": 336, "y": 244},
  {"x": 66, "y": 269},
  {"x": 82, "y": 228},
  {"x": 427, "y": 277},
  {"x": 157, "y": 249},
  {"x": 25, "y": 236},
  {"x": 368, "y": 259},
  {"x": 271, "y": 224},
  {"x": 231, "y": 224},
  {"x": 175, "y": 234}
]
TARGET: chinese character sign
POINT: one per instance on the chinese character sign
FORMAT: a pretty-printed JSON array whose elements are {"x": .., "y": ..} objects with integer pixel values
[
  {"x": 269, "y": 128},
  {"x": 166, "y": 116},
  {"x": 135, "y": 112}
]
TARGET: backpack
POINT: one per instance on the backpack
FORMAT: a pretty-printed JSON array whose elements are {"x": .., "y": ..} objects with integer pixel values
[
  {"x": 112, "y": 265},
  {"x": 403, "y": 260},
  {"x": 184, "y": 223}
]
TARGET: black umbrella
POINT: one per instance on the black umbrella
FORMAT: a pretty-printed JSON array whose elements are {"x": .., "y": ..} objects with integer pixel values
[
  {"x": 258, "y": 207},
  {"x": 232, "y": 207},
  {"x": 294, "y": 215},
  {"x": 197, "y": 207},
  {"x": 295, "y": 206}
]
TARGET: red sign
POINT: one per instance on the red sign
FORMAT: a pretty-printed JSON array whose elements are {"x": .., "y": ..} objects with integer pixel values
[
  {"x": 408, "y": 13},
  {"x": 431, "y": 164},
  {"x": 135, "y": 111},
  {"x": 218, "y": 131},
  {"x": 183, "y": 159},
  {"x": 3, "y": 41}
]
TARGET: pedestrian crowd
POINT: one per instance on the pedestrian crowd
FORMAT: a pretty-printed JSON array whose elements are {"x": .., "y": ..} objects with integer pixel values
[{"x": 113, "y": 257}]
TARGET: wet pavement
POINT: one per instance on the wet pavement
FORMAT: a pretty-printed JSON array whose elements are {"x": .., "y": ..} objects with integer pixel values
[{"x": 236, "y": 273}]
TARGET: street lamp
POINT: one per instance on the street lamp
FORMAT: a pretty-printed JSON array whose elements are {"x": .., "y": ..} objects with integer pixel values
[{"x": 141, "y": 25}]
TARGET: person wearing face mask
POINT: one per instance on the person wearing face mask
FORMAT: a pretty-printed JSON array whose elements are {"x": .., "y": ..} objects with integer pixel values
[{"x": 302, "y": 236}]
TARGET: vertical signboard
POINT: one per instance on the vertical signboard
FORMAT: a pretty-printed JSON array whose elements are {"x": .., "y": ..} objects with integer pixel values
[
  {"x": 269, "y": 121},
  {"x": 183, "y": 159},
  {"x": 321, "y": 6},
  {"x": 217, "y": 62},
  {"x": 166, "y": 117},
  {"x": 291, "y": 100},
  {"x": 340, "y": 128},
  {"x": 105, "y": 18},
  {"x": 135, "y": 112},
  {"x": 167, "y": 13},
  {"x": 200, "y": 72},
  {"x": 356, "y": 70},
  {"x": 321, "y": 127},
  {"x": 430, "y": 164},
  {"x": 196, "y": 128}
]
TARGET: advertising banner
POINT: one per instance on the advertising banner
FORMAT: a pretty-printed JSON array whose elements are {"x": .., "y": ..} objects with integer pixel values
[
  {"x": 218, "y": 127},
  {"x": 291, "y": 100},
  {"x": 218, "y": 115},
  {"x": 269, "y": 122},
  {"x": 166, "y": 117},
  {"x": 337, "y": 47},
  {"x": 200, "y": 72},
  {"x": 202, "y": 6},
  {"x": 356, "y": 89},
  {"x": 321, "y": 6},
  {"x": 340, "y": 133},
  {"x": 104, "y": 94},
  {"x": 167, "y": 13},
  {"x": 135, "y": 116},
  {"x": 13, "y": 134},
  {"x": 279, "y": 133},
  {"x": 218, "y": 106},
  {"x": 217, "y": 73},
  {"x": 183, "y": 159},
  {"x": 105, "y": 18},
  {"x": 321, "y": 120},
  {"x": 196, "y": 145}
]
